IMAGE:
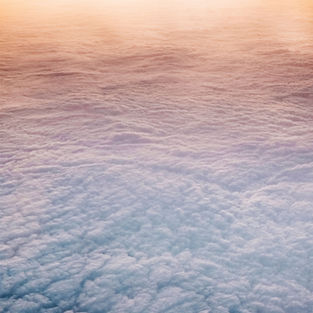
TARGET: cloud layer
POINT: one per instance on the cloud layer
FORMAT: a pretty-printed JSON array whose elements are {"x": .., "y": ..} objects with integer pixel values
[{"x": 172, "y": 172}]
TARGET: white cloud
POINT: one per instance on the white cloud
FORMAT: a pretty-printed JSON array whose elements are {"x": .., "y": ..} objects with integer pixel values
[{"x": 174, "y": 175}]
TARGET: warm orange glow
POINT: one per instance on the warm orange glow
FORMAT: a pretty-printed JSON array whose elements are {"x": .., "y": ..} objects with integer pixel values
[{"x": 209, "y": 28}]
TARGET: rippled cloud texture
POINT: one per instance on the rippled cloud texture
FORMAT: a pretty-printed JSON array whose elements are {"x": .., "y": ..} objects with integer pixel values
[{"x": 156, "y": 157}]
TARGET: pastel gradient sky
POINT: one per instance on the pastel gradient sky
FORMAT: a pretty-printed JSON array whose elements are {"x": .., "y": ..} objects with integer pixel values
[{"x": 156, "y": 156}]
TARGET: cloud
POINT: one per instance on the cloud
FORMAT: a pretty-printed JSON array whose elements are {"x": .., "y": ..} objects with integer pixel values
[{"x": 171, "y": 175}]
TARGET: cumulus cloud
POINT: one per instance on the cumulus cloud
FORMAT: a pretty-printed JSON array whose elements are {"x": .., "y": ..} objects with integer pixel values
[{"x": 174, "y": 175}]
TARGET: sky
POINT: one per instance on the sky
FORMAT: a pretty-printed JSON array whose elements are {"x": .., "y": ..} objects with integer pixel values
[{"x": 156, "y": 156}]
